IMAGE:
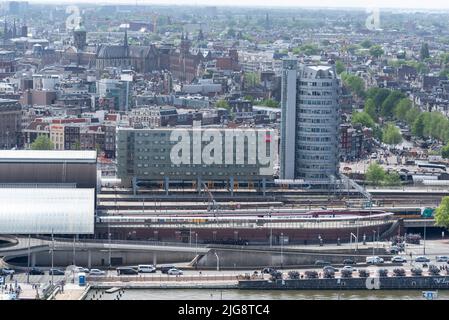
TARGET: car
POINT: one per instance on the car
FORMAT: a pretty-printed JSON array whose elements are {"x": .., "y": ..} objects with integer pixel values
[
  {"x": 56, "y": 272},
  {"x": 36, "y": 271},
  {"x": 374, "y": 260},
  {"x": 81, "y": 269},
  {"x": 126, "y": 270},
  {"x": 96, "y": 272},
  {"x": 349, "y": 268},
  {"x": 174, "y": 272},
  {"x": 422, "y": 259},
  {"x": 348, "y": 261},
  {"x": 394, "y": 250},
  {"x": 322, "y": 263},
  {"x": 146, "y": 268},
  {"x": 268, "y": 270},
  {"x": 442, "y": 259},
  {"x": 330, "y": 268},
  {"x": 398, "y": 259},
  {"x": 165, "y": 268},
  {"x": 7, "y": 271}
]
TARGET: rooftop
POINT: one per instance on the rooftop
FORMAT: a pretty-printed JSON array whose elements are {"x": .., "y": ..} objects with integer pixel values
[{"x": 47, "y": 155}]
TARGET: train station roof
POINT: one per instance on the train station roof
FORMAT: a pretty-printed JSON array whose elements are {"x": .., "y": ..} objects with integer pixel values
[
  {"x": 47, "y": 210},
  {"x": 48, "y": 156}
]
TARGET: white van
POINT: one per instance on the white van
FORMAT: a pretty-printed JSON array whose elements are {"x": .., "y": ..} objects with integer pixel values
[
  {"x": 146, "y": 268},
  {"x": 374, "y": 260}
]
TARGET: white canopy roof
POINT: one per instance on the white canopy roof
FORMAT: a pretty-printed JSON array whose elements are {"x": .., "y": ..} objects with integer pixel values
[{"x": 47, "y": 210}]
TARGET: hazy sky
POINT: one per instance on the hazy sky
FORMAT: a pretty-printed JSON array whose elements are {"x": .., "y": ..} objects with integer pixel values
[{"x": 413, "y": 4}]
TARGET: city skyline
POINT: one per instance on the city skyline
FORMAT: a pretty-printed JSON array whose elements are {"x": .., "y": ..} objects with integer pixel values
[{"x": 325, "y": 4}]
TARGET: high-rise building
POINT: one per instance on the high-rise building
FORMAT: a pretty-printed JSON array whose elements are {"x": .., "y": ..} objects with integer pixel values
[{"x": 310, "y": 122}]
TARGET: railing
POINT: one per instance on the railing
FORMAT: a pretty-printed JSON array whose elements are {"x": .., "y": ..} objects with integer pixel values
[{"x": 168, "y": 278}]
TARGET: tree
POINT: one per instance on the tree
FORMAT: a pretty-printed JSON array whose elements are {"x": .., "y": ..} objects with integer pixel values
[
  {"x": 445, "y": 151},
  {"x": 42, "y": 142},
  {"x": 251, "y": 79},
  {"x": 402, "y": 107},
  {"x": 370, "y": 108},
  {"x": 222, "y": 104},
  {"x": 424, "y": 53},
  {"x": 366, "y": 44},
  {"x": 378, "y": 95},
  {"x": 418, "y": 126},
  {"x": 392, "y": 179},
  {"x": 391, "y": 135},
  {"x": 339, "y": 67},
  {"x": 390, "y": 103},
  {"x": 442, "y": 213},
  {"x": 376, "y": 51},
  {"x": 363, "y": 118},
  {"x": 354, "y": 83},
  {"x": 375, "y": 174},
  {"x": 270, "y": 103},
  {"x": 412, "y": 115}
]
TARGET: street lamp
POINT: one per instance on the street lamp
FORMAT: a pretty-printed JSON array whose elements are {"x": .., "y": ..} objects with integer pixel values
[
  {"x": 374, "y": 238},
  {"x": 29, "y": 257},
  {"x": 282, "y": 247},
  {"x": 424, "y": 249},
  {"x": 218, "y": 261}
]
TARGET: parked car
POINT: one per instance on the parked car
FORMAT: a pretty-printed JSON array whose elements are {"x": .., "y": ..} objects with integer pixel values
[
  {"x": 268, "y": 270},
  {"x": 56, "y": 272},
  {"x": 330, "y": 268},
  {"x": 398, "y": 259},
  {"x": 349, "y": 268},
  {"x": 348, "y": 261},
  {"x": 7, "y": 271},
  {"x": 374, "y": 260},
  {"x": 422, "y": 259},
  {"x": 174, "y": 272},
  {"x": 442, "y": 259},
  {"x": 125, "y": 270},
  {"x": 322, "y": 263},
  {"x": 36, "y": 271},
  {"x": 97, "y": 272},
  {"x": 146, "y": 268},
  {"x": 81, "y": 269},
  {"x": 164, "y": 269}
]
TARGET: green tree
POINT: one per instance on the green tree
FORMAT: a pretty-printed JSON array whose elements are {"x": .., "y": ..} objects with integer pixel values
[
  {"x": 370, "y": 108},
  {"x": 402, "y": 107},
  {"x": 222, "y": 104},
  {"x": 391, "y": 135},
  {"x": 424, "y": 53},
  {"x": 366, "y": 44},
  {"x": 445, "y": 151},
  {"x": 418, "y": 126},
  {"x": 442, "y": 213},
  {"x": 270, "y": 103},
  {"x": 339, "y": 67},
  {"x": 390, "y": 103},
  {"x": 392, "y": 179},
  {"x": 378, "y": 95},
  {"x": 375, "y": 174},
  {"x": 251, "y": 79},
  {"x": 376, "y": 51},
  {"x": 363, "y": 118},
  {"x": 354, "y": 83},
  {"x": 42, "y": 142},
  {"x": 412, "y": 115}
]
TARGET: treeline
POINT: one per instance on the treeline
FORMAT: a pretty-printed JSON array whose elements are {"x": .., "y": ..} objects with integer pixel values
[{"x": 387, "y": 105}]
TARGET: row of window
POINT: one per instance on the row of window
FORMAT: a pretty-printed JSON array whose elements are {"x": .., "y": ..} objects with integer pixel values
[
  {"x": 188, "y": 173},
  {"x": 315, "y": 111},
  {"x": 315, "y": 148},
  {"x": 316, "y": 93},
  {"x": 314, "y": 120},
  {"x": 314, "y": 157},
  {"x": 315, "y": 84},
  {"x": 317, "y": 102},
  {"x": 315, "y": 130},
  {"x": 314, "y": 139}
]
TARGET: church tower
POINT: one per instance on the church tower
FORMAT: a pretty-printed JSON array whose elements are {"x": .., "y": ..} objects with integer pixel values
[{"x": 79, "y": 37}]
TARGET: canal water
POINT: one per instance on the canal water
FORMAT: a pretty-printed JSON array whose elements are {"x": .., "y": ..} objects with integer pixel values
[{"x": 234, "y": 294}]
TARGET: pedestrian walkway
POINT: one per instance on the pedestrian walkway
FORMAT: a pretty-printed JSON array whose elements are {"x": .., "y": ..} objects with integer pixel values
[{"x": 71, "y": 292}]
